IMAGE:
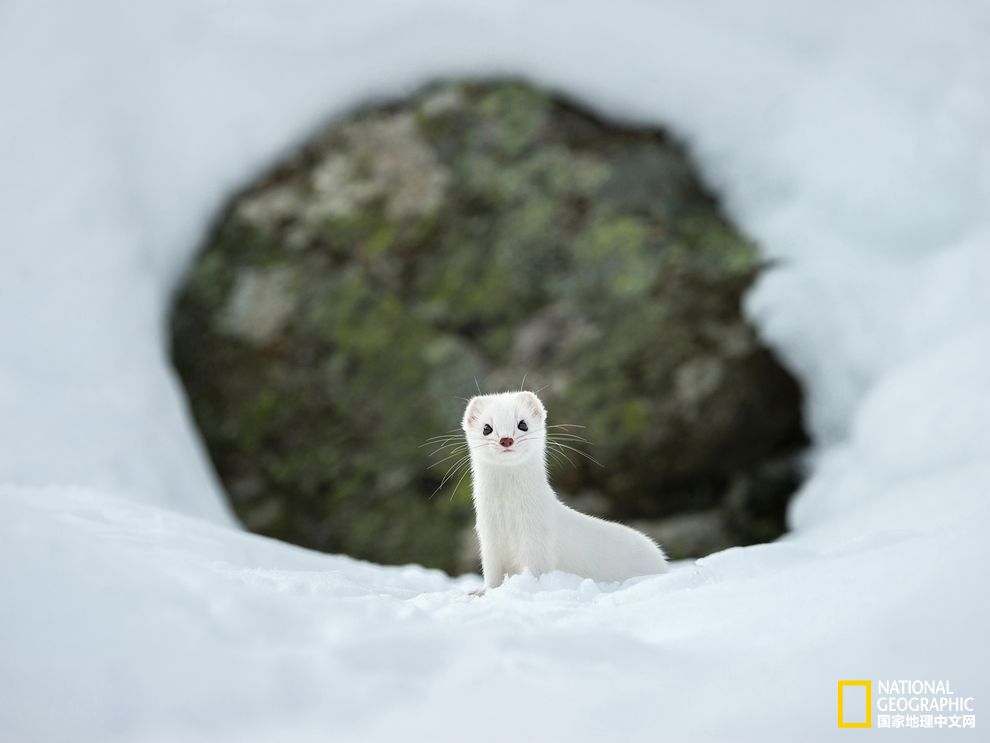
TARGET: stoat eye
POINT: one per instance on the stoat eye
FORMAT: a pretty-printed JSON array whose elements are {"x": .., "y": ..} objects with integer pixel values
[
  {"x": 523, "y": 426},
  {"x": 486, "y": 430}
]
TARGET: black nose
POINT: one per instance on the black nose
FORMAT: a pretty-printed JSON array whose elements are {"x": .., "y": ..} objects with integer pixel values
[{"x": 506, "y": 442}]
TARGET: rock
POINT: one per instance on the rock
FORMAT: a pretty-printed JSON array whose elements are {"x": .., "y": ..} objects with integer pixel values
[
  {"x": 690, "y": 534},
  {"x": 348, "y": 300}
]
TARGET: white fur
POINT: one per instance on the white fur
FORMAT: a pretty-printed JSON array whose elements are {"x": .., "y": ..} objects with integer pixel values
[{"x": 520, "y": 522}]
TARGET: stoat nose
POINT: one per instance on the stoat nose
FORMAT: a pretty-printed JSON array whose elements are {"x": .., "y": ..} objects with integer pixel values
[{"x": 506, "y": 442}]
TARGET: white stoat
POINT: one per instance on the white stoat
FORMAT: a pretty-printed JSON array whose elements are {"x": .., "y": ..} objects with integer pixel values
[{"x": 520, "y": 522}]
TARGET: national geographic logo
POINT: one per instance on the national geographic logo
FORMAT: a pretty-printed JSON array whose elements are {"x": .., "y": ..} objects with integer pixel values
[
  {"x": 903, "y": 703},
  {"x": 855, "y": 704}
]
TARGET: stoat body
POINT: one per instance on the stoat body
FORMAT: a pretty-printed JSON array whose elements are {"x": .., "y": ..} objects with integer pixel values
[{"x": 521, "y": 524}]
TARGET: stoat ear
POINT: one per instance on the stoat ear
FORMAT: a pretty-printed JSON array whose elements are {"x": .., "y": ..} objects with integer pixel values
[
  {"x": 472, "y": 412},
  {"x": 533, "y": 403}
]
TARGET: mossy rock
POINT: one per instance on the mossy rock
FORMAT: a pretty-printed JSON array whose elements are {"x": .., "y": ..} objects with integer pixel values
[{"x": 349, "y": 299}]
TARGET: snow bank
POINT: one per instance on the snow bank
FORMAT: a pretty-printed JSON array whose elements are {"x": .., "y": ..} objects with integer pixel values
[{"x": 851, "y": 140}]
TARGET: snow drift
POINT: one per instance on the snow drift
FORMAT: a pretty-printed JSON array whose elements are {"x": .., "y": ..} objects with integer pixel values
[{"x": 852, "y": 140}]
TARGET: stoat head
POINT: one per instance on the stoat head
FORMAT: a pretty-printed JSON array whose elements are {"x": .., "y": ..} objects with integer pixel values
[{"x": 506, "y": 428}]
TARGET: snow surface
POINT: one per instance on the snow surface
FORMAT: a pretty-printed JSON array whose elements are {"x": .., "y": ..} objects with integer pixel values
[{"x": 851, "y": 139}]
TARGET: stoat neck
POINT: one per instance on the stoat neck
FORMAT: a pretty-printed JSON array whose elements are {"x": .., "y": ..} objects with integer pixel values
[
  {"x": 529, "y": 476},
  {"x": 532, "y": 468}
]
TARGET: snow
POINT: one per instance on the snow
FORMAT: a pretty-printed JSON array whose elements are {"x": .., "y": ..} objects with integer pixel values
[{"x": 851, "y": 139}]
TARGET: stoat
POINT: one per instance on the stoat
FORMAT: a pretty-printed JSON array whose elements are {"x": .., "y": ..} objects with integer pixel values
[{"x": 520, "y": 522}]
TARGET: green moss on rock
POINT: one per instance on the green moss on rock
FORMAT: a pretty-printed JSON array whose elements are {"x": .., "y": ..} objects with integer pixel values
[{"x": 349, "y": 299}]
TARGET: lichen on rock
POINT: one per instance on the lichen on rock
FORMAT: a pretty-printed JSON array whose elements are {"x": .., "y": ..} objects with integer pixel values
[
  {"x": 350, "y": 297},
  {"x": 384, "y": 159},
  {"x": 261, "y": 303}
]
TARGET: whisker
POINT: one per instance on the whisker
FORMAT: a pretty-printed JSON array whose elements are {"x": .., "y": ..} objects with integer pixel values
[
  {"x": 462, "y": 463},
  {"x": 556, "y": 457},
  {"x": 444, "y": 446},
  {"x": 462, "y": 470},
  {"x": 579, "y": 439},
  {"x": 565, "y": 425},
  {"x": 443, "y": 437},
  {"x": 466, "y": 446},
  {"x": 451, "y": 456},
  {"x": 560, "y": 439},
  {"x": 571, "y": 442},
  {"x": 579, "y": 453},
  {"x": 464, "y": 458},
  {"x": 563, "y": 454},
  {"x": 458, "y": 484},
  {"x": 450, "y": 445},
  {"x": 439, "y": 439},
  {"x": 523, "y": 382},
  {"x": 555, "y": 437},
  {"x": 450, "y": 473}
]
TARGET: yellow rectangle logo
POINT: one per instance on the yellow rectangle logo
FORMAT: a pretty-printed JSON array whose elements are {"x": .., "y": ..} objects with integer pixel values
[{"x": 861, "y": 718}]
